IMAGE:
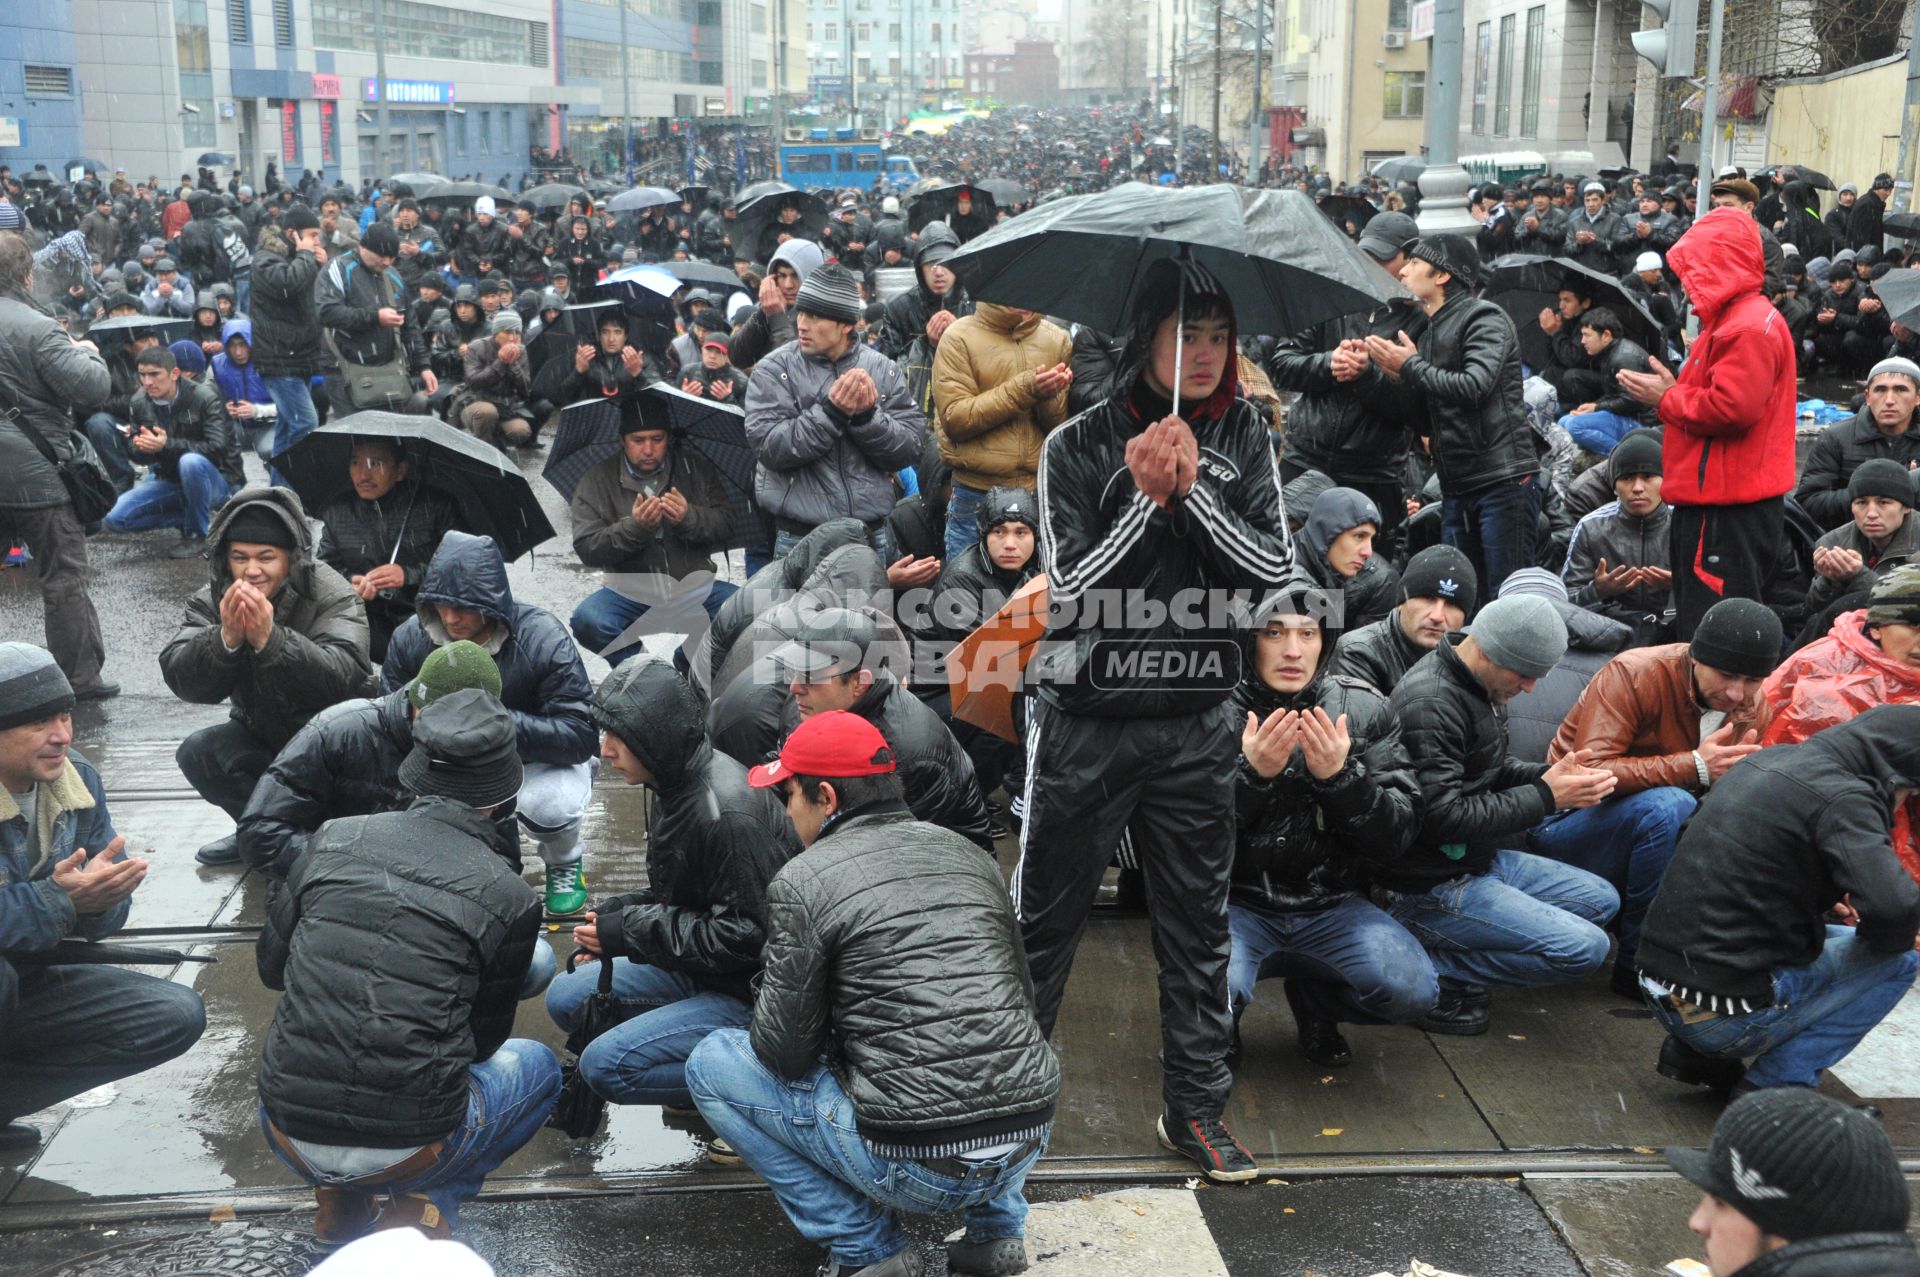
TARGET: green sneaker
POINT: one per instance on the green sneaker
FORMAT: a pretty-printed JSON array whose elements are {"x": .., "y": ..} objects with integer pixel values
[{"x": 566, "y": 890}]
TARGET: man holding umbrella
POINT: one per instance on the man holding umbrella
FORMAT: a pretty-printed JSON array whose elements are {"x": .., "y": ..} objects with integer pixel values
[{"x": 1134, "y": 510}]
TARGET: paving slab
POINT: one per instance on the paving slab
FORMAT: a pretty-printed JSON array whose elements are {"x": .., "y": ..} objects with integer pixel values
[{"x": 178, "y": 891}]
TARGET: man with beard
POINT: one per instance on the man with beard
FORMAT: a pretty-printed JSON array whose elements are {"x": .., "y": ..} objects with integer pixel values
[{"x": 1437, "y": 594}]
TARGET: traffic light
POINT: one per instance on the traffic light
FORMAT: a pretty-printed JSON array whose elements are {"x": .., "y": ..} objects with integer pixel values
[{"x": 1669, "y": 46}]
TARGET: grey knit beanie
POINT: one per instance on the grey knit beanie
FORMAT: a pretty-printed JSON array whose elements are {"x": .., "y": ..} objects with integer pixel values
[
  {"x": 1522, "y": 633},
  {"x": 32, "y": 687},
  {"x": 831, "y": 292}
]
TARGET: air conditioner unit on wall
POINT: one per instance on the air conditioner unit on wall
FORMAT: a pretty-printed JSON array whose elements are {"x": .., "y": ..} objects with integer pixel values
[
  {"x": 796, "y": 135},
  {"x": 1394, "y": 39}
]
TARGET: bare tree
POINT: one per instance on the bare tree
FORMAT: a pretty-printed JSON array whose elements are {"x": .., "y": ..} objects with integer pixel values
[{"x": 1114, "y": 47}]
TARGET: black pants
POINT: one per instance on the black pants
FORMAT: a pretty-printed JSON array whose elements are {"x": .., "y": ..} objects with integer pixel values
[
  {"x": 223, "y": 763},
  {"x": 1722, "y": 552},
  {"x": 59, "y": 546},
  {"x": 1389, "y": 498},
  {"x": 1168, "y": 782}
]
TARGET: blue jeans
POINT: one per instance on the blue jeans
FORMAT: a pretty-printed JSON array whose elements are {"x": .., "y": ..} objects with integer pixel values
[
  {"x": 1819, "y": 1013},
  {"x": 104, "y": 433},
  {"x": 879, "y": 536},
  {"x": 643, "y": 1059},
  {"x": 79, "y": 1027},
  {"x": 801, "y": 1138},
  {"x": 963, "y": 520},
  {"x": 295, "y": 417},
  {"x": 1628, "y": 841},
  {"x": 1351, "y": 962},
  {"x": 1526, "y": 922},
  {"x": 160, "y": 503},
  {"x": 1598, "y": 431},
  {"x": 604, "y": 616},
  {"x": 243, "y": 292},
  {"x": 1497, "y": 528},
  {"x": 509, "y": 1096}
]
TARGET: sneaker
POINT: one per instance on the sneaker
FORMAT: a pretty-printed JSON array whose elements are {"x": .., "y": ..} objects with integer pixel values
[
  {"x": 566, "y": 890},
  {"x": 1693, "y": 1068},
  {"x": 1463, "y": 1011},
  {"x": 907, "y": 1263},
  {"x": 1320, "y": 1038},
  {"x": 221, "y": 851},
  {"x": 18, "y": 1137},
  {"x": 189, "y": 548},
  {"x": 1208, "y": 1143},
  {"x": 721, "y": 1153},
  {"x": 1001, "y": 1257}
]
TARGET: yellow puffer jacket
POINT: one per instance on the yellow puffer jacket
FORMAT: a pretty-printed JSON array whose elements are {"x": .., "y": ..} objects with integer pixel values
[{"x": 991, "y": 420}]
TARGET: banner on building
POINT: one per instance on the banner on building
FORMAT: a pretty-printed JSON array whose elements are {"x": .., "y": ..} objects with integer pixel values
[
  {"x": 289, "y": 133},
  {"x": 328, "y": 144}
]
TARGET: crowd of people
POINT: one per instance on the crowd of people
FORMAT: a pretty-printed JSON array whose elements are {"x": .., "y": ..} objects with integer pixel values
[{"x": 1523, "y": 669}]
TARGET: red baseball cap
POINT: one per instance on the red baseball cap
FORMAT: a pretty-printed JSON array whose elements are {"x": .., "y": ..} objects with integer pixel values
[{"x": 832, "y": 746}]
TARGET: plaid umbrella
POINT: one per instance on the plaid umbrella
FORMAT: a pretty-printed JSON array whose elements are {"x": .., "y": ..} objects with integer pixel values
[
  {"x": 589, "y": 433},
  {"x": 493, "y": 497}
]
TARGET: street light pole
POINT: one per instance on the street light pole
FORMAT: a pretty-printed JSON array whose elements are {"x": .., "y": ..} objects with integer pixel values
[
  {"x": 1219, "y": 10},
  {"x": 1710, "y": 101},
  {"x": 382, "y": 168},
  {"x": 626, "y": 97},
  {"x": 1259, "y": 45},
  {"x": 1443, "y": 187}
]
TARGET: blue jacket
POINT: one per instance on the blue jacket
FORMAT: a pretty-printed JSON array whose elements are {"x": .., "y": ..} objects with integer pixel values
[
  {"x": 34, "y": 914},
  {"x": 542, "y": 679},
  {"x": 239, "y": 382}
]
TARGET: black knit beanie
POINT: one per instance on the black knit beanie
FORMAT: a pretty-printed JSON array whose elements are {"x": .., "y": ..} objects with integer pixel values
[
  {"x": 257, "y": 525},
  {"x": 1738, "y": 636},
  {"x": 1637, "y": 453},
  {"x": 1881, "y": 478},
  {"x": 1441, "y": 572},
  {"x": 32, "y": 687}
]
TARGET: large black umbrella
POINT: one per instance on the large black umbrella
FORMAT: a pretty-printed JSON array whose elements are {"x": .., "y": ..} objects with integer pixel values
[
  {"x": 1781, "y": 174},
  {"x": 1534, "y": 274},
  {"x": 1085, "y": 258},
  {"x": 554, "y": 195},
  {"x": 168, "y": 328},
  {"x": 1356, "y": 210},
  {"x": 695, "y": 194},
  {"x": 84, "y": 163},
  {"x": 1401, "y": 168},
  {"x": 1006, "y": 192},
  {"x": 642, "y": 197},
  {"x": 213, "y": 159},
  {"x": 705, "y": 274},
  {"x": 460, "y": 193},
  {"x": 589, "y": 433},
  {"x": 756, "y": 212},
  {"x": 944, "y": 201},
  {"x": 1899, "y": 292},
  {"x": 417, "y": 180},
  {"x": 1901, "y": 225},
  {"x": 493, "y": 497}
]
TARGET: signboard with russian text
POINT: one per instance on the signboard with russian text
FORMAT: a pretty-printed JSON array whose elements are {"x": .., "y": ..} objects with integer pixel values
[
  {"x": 289, "y": 133},
  {"x": 329, "y": 146},
  {"x": 1420, "y": 20},
  {"x": 9, "y": 130},
  {"x": 326, "y": 86},
  {"x": 409, "y": 92}
]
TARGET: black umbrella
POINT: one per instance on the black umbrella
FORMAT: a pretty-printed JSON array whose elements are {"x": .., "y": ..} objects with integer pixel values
[
  {"x": 1901, "y": 225},
  {"x": 416, "y": 180},
  {"x": 493, "y": 497},
  {"x": 1401, "y": 168},
  {"x": 1529, "y": 272},
  {"x": 755, "y": 214},
  {"x": 168, "y": 328},
  {"x": 1523, "y": 307},
  {"x": 1084, "y": 258},
  {"x": 460, "y": 193},
  {"x": 945, "y": 200},
  {"x": 553, "y": 195},
  {"x": 695, "y": 194},
  {"x": 213, "y": 159},
  {"x": 589, "y": 433},
  {"x": 1343, "y": 209},
  {"x": 90, "y": 165},
  {"x": 579, "y": 1111},
  {"x": 38, "y": 177},
  {"x": 755, "y": 190},
  {"x": 642, "y": 197},
  {"x": 704, "y": 273},
  {"x": 1899, "y": 292},
  {"x": 1781, "y": 174}
]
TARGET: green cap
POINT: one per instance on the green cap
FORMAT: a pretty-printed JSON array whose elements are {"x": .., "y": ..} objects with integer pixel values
[{"x": 450, "y": 668}]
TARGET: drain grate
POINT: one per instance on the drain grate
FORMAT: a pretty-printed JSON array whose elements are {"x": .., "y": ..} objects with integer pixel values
[{"x": 232, "y": 1250}]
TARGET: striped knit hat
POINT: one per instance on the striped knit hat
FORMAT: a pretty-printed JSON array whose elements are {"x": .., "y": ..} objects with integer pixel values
[{"x": 831, "y": 292}]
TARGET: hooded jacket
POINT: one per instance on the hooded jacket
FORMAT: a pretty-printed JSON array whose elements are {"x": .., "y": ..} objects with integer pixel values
[
  {"x": 1305, "y": 843},
  {"x": 713, "y": 841},
  {"x": 1731, "y": 414},
  {"x": 1778, "y": 841},
  {"x": 543, "y": 682},
  {"x": 242, "y": 383},
  {"x": 907, "y": 315},
  {"x": 1359, "y": 430},
  {"x": 315, "y": 657},
  {"x": 1477, "y": 796},
  {"x": 400, "y": 941},
  {"x": 1841, "y": 449},
  {"x": 44, "y": 376},
  {"x": 972, "y": 587},
  {"x": 815, "y": 462},
  {"x": 606, "y": 535},
  {"x": 991, "y": 419},
  {"x": 1107, "y": 540},
  {"x": 345, "y": 762},
  {"x": 894, "y": 953},
  {"x": 1372, "y": 593},
  {"x": 285, "y": 314},
  {"x": 771, "y": 586},
  {"x": 760, "y": 333},
  {"x": 1838, "y": 678},
  {"x": 1468, "y": 371}
]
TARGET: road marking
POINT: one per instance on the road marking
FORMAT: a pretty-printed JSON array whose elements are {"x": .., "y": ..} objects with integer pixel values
[{"x": 1881, "y": 1067}]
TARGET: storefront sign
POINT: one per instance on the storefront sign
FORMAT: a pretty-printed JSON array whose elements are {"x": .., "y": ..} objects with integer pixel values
[
  {"x": 9, "y": 130},
  {"x": 1421, "y": 20},
  {"x": 326, "y": 87},
  {"x": 289, "y": 133},
  {"x": 410, "y": 92},
  {"x": 328, "y": 146}
]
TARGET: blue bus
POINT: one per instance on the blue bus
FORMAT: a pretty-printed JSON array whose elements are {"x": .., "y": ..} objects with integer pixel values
[{"x": 826, "y": 163}]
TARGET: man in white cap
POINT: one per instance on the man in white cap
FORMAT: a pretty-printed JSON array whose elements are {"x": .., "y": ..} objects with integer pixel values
[
  {"x": 1591, "y": 229},
  {"x": 1882, "y": 429},
  {"x": 484, "y": 246}
]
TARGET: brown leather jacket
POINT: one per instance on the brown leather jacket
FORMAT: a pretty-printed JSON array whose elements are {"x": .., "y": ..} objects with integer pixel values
[{"x": 1639, "y": 718}]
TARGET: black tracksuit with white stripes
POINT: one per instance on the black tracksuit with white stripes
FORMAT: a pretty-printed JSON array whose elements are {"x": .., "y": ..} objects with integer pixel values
[{"x": 1130, "y": 730}]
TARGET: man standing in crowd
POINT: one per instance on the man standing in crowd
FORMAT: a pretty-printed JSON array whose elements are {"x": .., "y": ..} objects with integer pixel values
[
  {"x": 1438, "y": 592},
  {"x": 1667, "y": 722},
  {"x": 277, "y": 633},
  {"x": 831, "y": 420},
  {"x": 362, "y": 301},
  {"x": 44, "y": 376},
  {"x": 64, "y": 875},
  {"x": 1492, "y": 917},
  {"x": 1130, "y": 511},
  {"x": 1729, "y": 418},
  {"x": 402, "y": 944},
  {"x": 286, "y": 321},
  {"x": 1881, "y": 431},
  {"x": 1742, "y": 958},
  {"x": 1467, "y": 369},
  {"x": 893, "y": 955}
]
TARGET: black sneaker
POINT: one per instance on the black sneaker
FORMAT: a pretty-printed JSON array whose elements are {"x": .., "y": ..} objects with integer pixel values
[
  {"x": 1320, "y": 1038},
  {"x": 1692, "y": 1068},
  {"x": 1463, "y": 1011},
  {"x": 101, "y": 691},
  {"x": 1001, "y": 1257},
  {"x": 18, "y": 1137},
  {"x": 1210, "y": 1145}
]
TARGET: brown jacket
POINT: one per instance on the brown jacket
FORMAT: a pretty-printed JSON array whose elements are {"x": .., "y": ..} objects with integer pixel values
[
  {"x": 1639, "y": 718},
  {"x": 991, "y": 421}
]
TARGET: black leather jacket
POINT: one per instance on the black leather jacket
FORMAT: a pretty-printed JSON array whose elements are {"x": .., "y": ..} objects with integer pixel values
[
  {"x": 404, "y": 527},
  {"x": 1355, "y": 431},
  {"x": 1378, "y": 654},
  {"x": 1468, "y": 370},
  {"x": 196, "y": 422},
  {"x": 1840, "y": 1255}
]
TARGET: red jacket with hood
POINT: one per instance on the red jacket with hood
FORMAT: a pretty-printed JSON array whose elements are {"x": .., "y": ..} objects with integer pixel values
[{"x": 1729, "y": 436}]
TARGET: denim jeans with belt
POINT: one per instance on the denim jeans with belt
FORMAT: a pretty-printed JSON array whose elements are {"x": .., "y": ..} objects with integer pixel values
[
  {"x": 963, "y": 520},
  {"x": 187, "y": 504},
  {"x": 1819, "y": 1013},
  {"x": 801, "y": 1137},
  {"x": 1526, "y": 922}
]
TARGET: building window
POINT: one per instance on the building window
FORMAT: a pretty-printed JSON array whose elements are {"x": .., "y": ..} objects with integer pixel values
[
  {"x": 893, "y": 32},
  {"x": 757, "y": 19},
  {"x": 712, "y": 73},
  {"x": 862, "y": 33},
  {"x": 1397, "y": 14},
  {"x": 49, "y": 82},
  {"x": 460, "y": 132},
  {"x": 486, "y": 131},
  {"x": 1530, "y": 78},
  {"x": 833, "y": 32},
  {"x": 426, "y": 31},
  {"x": 759, "y": 73},
  {"x": 936, "y": 33},
  {"x": 239, "y": 23},
  {"x": 283, "y": 24},
  {"x": 1503, "y": 88},
  {"x": 1406, "y": 97},
  {"x": 1482, "y": 64},
  {"x": 707, "y": 13},
  {"x": 893, "y": 66},
  {"x": 194, "y": 49}
]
